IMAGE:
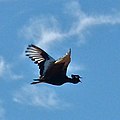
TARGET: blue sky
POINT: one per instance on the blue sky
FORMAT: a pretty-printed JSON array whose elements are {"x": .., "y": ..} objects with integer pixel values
[{"x": 91, "y": 28}]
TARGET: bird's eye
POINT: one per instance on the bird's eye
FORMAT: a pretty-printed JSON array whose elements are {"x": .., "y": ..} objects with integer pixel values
[{"x": 76, "y": 76}]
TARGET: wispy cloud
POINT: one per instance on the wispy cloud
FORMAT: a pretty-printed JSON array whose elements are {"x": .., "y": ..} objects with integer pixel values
[
  {"x": 83, "y": 24},
  {"x": 83, "y": 21},
  {"x": 75, "y": 68},
  {"x": 39, "y": 97},
  {"x": 6, "y": 70},
  {"x": 46, "y": 30},
  {"x": 2, "y": 66},
  {"x": 42, "y": 31}
]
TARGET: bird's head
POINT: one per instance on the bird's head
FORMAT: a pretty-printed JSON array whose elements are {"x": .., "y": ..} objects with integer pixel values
[{"x": 75, "y": 78}]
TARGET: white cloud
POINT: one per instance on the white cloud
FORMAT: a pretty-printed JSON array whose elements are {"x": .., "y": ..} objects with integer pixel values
[
  {"x": 75, "y": 68},
  {"x": 42, "y": 31},
  {"x": 11, "y": 74},
  {"x": 2, "y": 66},
  {"x": 74, "y": 9},
  {"x": 46, "y": 30},
  {"x": 6, "y": 70},
  {"x": 15, "y": 76},
  {"x": 84, "y": 21},
  {"x": 39, "y": 97},
  {"x": 83, "y": 24}
]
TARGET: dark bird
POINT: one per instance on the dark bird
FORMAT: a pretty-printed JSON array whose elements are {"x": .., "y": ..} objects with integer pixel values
[{"x": 51, "y": 71}]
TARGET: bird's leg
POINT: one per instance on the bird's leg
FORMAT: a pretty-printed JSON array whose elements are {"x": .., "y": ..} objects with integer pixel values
[
  {"x": 36, "y": 82},
  {"x": 36, "y": 79},
  {"x": 41, "y": 77}
]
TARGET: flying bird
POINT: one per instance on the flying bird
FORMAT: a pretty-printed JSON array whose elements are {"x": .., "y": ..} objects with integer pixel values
[{"x": 51, "y": 71}]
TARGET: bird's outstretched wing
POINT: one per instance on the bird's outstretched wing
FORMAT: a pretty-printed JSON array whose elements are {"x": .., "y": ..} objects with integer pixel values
[
  {"x": 39, "y": 57},
  {"x": 65, "y": 60}
]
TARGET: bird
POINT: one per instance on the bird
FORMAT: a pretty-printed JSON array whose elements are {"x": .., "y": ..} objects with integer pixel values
[{"x": 51, "y": 71}]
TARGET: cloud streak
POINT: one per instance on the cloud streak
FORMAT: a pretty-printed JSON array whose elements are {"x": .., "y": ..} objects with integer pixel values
[
  {"x": 82, "y": 24},
  {"x": 39, "y": 97},
  {"x": 46, "y": 30},
  {"x": 42, "y": 31},
  {"x": 75, "y": 68},
  {"x": 83, "y": 21},
  {"x": 2, "y": 66},
  {"x": 6, "y": 70}
]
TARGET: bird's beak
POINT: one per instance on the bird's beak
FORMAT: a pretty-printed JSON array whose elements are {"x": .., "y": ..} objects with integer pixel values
[
  {"x": 81, "y": 81},
  {"x": 81, "y": 78}
]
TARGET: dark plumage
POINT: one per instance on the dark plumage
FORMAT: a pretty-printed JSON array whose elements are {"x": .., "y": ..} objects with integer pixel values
[{"x": 51, "y": 71}]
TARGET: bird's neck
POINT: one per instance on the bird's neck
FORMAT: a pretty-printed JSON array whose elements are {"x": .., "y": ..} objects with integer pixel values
[{"x": 69, "y": 80}]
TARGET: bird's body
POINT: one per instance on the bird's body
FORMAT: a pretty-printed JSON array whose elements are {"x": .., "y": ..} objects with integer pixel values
[{"x": 51, "y": 71}]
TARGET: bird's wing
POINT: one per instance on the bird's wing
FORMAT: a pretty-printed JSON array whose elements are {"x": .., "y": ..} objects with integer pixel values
[
  {"x": 65, "y": 60},
  {"x": 39, "y": 57}
]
